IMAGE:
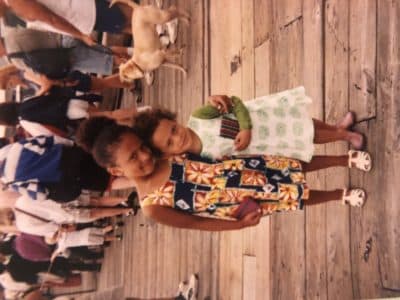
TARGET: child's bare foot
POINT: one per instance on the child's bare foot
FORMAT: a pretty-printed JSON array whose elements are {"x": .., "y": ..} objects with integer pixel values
[
  {"x": 356, "y": 140},
  {"x": 347, "y": 121}
]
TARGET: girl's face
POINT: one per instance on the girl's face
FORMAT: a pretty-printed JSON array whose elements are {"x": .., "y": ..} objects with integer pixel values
[
  {"x": 171, "y": 138},
  {"x": 132, "y": 158}
]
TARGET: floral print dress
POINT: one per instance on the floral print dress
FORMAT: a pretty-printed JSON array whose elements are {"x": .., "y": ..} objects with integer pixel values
[{"x": 210, "y": 188}]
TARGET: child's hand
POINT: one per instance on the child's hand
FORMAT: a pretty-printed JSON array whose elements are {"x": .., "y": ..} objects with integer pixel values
[
  {"x": 251, "y": 219},
  {"x": 222, "y": 102},
  {"x": 242, "y": 139}
]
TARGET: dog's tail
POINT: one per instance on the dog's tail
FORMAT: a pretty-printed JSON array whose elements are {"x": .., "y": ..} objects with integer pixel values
[{"x": 127, "y": 2}]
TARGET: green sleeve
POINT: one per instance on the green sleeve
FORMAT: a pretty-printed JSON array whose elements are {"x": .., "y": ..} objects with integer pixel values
[
  {"x": 241, "y": 113},
  {"x": 206, "y": 112}
]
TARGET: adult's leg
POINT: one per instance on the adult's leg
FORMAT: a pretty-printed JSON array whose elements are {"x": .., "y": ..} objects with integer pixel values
[
  {"x": 127, "y": 12},
  {"x": 98, "y": 213},
  {"x": 112, "y": 81},
  {"x": 79, "y": 266},
  {"x": 125, "y": 52},
  {"x": 106, "y": 201}
]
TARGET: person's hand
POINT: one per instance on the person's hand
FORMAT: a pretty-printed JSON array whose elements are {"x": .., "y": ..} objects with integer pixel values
[
  {"x": 222, "y": 102},
  {"x": 88, "y": 40},
  {"x": 251, "y": 219},
  {"x": 47, "y": 84},
  {"x": 242, "y": 139}
]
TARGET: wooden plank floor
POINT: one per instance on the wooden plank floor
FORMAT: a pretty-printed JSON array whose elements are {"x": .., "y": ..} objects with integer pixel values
[{"x": 347, "y": 55}]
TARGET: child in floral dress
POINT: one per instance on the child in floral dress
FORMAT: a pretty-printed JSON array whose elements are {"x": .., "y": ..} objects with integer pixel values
[{"x": 183, "y": 190}]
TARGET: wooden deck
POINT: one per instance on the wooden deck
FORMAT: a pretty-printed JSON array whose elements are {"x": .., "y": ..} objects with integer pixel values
[{"x": 347, "y": 55}]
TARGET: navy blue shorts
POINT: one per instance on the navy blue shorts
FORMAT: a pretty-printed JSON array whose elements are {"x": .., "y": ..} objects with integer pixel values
[{"x": 109, "y": 19}]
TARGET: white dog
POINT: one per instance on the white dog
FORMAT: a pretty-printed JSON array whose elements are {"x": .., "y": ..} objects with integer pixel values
[{"x": 148, "y": 53}]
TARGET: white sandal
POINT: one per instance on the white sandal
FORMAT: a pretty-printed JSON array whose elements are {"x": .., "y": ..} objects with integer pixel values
[
  {"x": 353, "y": 197},
  {"x": 360, "y": 160}
]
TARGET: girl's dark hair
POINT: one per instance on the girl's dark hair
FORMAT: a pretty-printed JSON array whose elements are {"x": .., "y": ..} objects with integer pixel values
[
  {"x": 146, "y": 123},
  {"x": 99, "y": 136},
  {"x": 9, "y": 114},
  {"x": 2, "y": 268},
  {"x": 6, "y": 247},
  {"x": 4, "y": 142}
]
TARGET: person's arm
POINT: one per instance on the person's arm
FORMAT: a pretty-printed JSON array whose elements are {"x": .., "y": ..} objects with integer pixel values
[
  {"x": 206, "y": 112},
  {"x": 31, "y": 10},
  {"x": 35, "y": 295},
  {"x": 121, "y": 115},
  {"x": 171, "y": 217},
  {"x": 220, "y": 104},
  {"x": 241, "y": 113}
]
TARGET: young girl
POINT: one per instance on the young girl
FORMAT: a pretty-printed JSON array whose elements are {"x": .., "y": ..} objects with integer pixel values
[
  {"x": 276, "y": 124},
  {"x": 181, "y": 191}
]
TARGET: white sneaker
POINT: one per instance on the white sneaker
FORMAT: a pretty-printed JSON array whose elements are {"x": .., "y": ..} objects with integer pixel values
[
  {"x": 172, "y": 29},
  {"x": 164, "y": 40},
  {"x": 188, "y": 290},
  {"x": 159, "y": 3},
  {"x": 161, "y": 28},
  {"x": 149, "y": 77}
]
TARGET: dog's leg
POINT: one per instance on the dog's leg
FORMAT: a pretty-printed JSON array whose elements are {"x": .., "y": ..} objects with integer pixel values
[
  {"x": 175, "y": 66},
  {"x": 171, "y": 54},
  {"x": 155, "y": 15},
  {"x": 180, "y": 14}
]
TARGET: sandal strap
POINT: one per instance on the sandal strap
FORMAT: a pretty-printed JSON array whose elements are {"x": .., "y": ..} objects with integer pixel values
[
  {"x": 351, "y": 154},
  {"x": 359, "y": 159}
]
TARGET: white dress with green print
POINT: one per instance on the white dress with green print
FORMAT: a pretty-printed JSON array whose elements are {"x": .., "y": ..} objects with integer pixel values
[{"x": 281, "y": 126}]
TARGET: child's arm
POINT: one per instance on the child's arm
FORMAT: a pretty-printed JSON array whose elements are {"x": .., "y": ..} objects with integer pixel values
[
  {"x": 242, "y": 114},
  {"x": 220, "y": 104},
  {"x": 208, "y": 111}
]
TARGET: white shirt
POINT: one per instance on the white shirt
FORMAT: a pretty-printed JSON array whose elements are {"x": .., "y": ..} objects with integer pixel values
[
  {"x": 12, "y": 287},
  {"x": 35, "y": 129},
  {"x": 80, "y": 13},
  {"x": 49, "y": 210},
  {"x": 46, "y": 209}
]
